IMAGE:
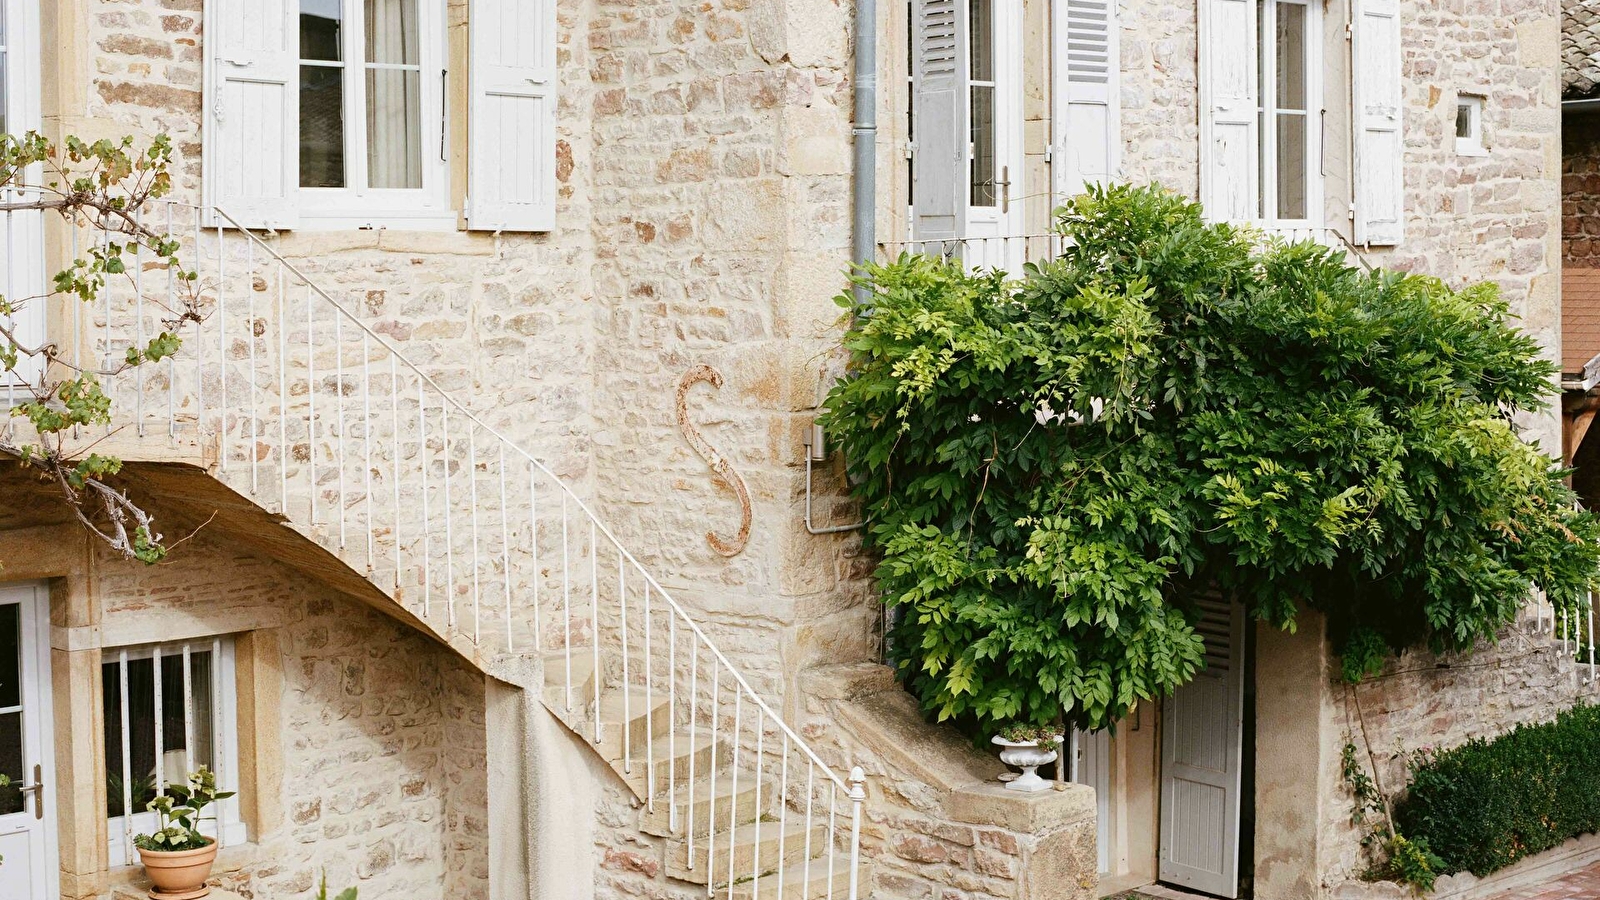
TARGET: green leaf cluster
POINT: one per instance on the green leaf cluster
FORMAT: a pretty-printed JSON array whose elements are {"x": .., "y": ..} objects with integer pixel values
[
  {"x": 178, "y": 813},
  {"x": 1054, "y": 467},
  {"x": 1488, "y": 803}
]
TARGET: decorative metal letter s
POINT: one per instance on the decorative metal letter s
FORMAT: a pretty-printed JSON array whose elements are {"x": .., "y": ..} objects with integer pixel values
[{"x": 698, "y": 373}]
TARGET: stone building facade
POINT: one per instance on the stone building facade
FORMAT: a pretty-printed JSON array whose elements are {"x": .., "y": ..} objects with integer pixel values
[{"x": 661, "y": 349}]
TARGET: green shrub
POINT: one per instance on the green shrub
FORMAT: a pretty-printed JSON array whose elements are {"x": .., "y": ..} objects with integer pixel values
[
  {"x": 1053, "y": 466},
  {"x": 1486, "y": 804}
]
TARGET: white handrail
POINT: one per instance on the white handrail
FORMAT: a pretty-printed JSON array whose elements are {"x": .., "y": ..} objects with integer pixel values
[{"x": 244, "y": 374}]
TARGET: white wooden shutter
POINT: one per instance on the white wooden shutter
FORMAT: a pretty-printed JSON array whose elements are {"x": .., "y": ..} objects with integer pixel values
[
  {"x": 1087, "y": 140},
  {"x": 511, "y": 135},
  {"x": 251, "y": 157},
  {"x": 1201, "y": 760},
  {"x": 939, "y": 115},
  {"x": 1380, "y": 145},
  {"x": 1230, "y": 170}
]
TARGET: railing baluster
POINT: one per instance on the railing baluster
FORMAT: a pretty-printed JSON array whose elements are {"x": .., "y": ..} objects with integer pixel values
[
  {"x": 395, "y": 472},
  {"x": 811, "y": 779},
  {"x": 833, "y": 802},
  {"x": 755, "y": 847},
  {"x": 472, "y": 501},
  {"x": 505, "y": 548},
  {"x": 222, "y": 348},
  {"x": 566, "y": 598},
  {"x": 694, "y": 710},
  {"x": 311, "y": 405},
  {"x": 255, "y": 389},
  {"x": 711, "y": 816},
  {"x": 627, "y": 689},
  {"x": 649, "y": 708},
  {"x": 783, "y": 813},
  {"x": 138, "y": 323},
  {"x": 282, "y": 325},
  {"x": 594, "y": 629},
  {"x": 341, "y": 424},
  {"x": 366, "y": 444},
  {"x": 427, "y": 527},
  {"x": 533, "y": 549},
  {"x": 449, "y": 516},
  {"x": 733, "y": 787}
]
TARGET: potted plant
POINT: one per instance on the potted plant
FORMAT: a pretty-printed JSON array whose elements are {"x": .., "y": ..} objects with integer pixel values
[
  {"x": 1027, "y": 747},
  {"x": 176, "y": 856}
]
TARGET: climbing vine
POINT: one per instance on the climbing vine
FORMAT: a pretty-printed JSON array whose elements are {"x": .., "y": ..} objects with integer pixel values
[{"x": 1055, "y": 466}]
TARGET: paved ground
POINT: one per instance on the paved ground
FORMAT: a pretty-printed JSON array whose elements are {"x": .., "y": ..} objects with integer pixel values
[{"x": 1583, "y": 884}]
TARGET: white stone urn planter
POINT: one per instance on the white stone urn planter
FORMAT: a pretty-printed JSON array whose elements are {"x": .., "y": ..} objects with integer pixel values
[{"x": 1027, "y": 756}]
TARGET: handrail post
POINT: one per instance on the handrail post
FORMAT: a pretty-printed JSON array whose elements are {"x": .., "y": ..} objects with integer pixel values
[{"x": 858, "y": 796}]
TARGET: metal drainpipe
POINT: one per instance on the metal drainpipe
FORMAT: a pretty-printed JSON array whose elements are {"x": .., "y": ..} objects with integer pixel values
[{"x": 863, "y": 199}]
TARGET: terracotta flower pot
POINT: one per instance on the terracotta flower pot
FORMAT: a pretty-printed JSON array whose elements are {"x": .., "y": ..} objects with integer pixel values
[{"x": 180, "y": 874}]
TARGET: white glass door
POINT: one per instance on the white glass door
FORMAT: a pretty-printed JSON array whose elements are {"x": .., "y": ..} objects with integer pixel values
[
  {"x": 994, "y": 159},
  {"x": 27, "y": 809},
  {"x": 21, "y": 232}
]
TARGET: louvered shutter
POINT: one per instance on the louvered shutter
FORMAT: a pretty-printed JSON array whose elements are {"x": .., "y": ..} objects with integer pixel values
[
  {"x": 1202, "y": 755},
  {"x": 1088, "y": 140},
  {"x": 1230, "y": 171},
  {"x": 511, "y": 124},
  {"x": 251, "y": 158},
  {"x": 939, "y": 111},
  {"x": 1380, "y": 145}
]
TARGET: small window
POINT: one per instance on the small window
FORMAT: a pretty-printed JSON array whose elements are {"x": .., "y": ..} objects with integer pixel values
[
  {"x": 1469, "y": 126},
  {"x": 160, "y": 727}
]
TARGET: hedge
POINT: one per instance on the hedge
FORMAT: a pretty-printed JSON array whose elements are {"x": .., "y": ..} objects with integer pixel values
[{"x": 1484, "y": 805}]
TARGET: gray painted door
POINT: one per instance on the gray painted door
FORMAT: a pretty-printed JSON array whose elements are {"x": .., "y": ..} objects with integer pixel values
[{"x": 1201, "y": 761}]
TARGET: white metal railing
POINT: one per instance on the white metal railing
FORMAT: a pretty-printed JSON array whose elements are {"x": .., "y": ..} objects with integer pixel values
[
  {"x": 319, "y": 418},
  {"x": 1572, "y": 630},
  {"x": 1007, "y": 253}
]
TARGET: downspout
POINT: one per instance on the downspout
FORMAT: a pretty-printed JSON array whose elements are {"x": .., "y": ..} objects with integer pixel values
[{"x": 864, "y": 187}]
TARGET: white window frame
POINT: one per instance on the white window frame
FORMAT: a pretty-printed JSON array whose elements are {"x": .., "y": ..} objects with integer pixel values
[
  {"x": 229, "y": 827},
  {"x": 426, "y": 208},
  {"x": 1470, "y": 144},
  {"x": 22, "y": 233},
  {"x": 1266, "y": 200}
]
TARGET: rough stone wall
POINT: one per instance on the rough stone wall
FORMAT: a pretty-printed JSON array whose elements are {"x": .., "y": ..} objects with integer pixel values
[
  {"x": 1580, "y": 191},
  {"x": 1422, "y": 701},
  {"x": 1160, "y": 94},
  {"x": 381, "y": 745}
]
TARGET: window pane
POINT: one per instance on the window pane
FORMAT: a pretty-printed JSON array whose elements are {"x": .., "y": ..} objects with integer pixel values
[
  {"x": 321, "y": 126},
  {"x": 981, "y": 21},
  {"x": 11, "y": 762},
  {"x": 1292, "y": 165},
  {"x": 10, "y": 655},
  {"x": 1291, "y": 92},
  {"x": 175, "y": 761},
  {"x": 1463, "y": 120},
  {"x": 320, "y": 29},
  {"x": 394, "y": 128},
  {"x": 392, "y": 32},
  {"x": 982, "y": 146},
  {"x": 3, "y": 94}
]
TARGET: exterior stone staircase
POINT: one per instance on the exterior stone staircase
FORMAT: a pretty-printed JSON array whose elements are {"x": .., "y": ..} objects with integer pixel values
[{"x": 317, "y": 442}]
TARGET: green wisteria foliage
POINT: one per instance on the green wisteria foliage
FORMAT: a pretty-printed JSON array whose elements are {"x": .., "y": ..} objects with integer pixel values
[{"x": 1054, "y": 467}]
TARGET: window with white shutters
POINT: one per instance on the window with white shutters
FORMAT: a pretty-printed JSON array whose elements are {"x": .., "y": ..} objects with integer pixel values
[
  {"x": 333, "y": 113},
  {"x": 1379, "y": 206},
  {"x": 1087, "y": 141},
  {"x": 1261, "y": 100}
]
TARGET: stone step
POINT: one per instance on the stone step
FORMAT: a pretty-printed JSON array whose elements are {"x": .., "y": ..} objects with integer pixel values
[
  {"x": 555, "y": 681},
  {"x": 672, "y": 771},
  {"x": 742, "y": 844},
  {"x": 628, "y": 717},
  {"x": 731, "y": 808},
  {"x": 796, "y": 885}
]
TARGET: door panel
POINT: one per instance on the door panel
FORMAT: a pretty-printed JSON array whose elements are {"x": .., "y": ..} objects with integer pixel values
[
  {"x": 1091, "y": 765},
  {"x": 27, "y": 840},
  {"x": 1202, "y": 760}
]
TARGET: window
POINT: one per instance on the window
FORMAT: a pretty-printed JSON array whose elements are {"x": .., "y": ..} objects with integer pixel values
[
  {"x": 1285, "y": 120},
  {"x": 158, "y": 728},
  {"x": 364, "y": 140},
  {"x": 1469, "y": 126},
  {"x": 980, "y": 86}
]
